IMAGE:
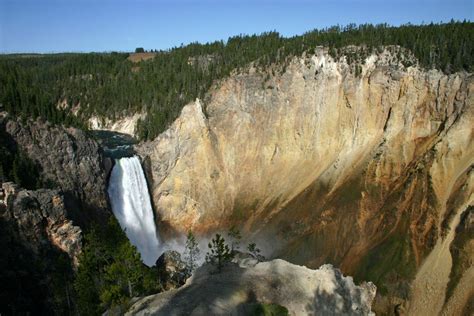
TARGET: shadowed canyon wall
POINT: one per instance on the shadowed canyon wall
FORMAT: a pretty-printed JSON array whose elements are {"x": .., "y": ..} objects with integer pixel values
[
  {"x": 67, "y": 159},
  {"x": 41, "y": 229}
]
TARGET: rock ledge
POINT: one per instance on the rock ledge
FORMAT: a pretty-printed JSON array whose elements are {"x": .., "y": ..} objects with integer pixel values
[{"x": 236, "y": 290}]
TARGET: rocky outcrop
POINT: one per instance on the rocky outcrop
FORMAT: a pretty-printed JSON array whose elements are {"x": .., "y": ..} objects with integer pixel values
[
  {"x": 40, "y": 218},
  {"x": 68, "y": 160},
  {"x": 171, "y": 270},
  {"x": 369, "y": 172},
  {"x": 40, "y": 247},
  {"x": 126, "y": 125},
  {"x": 236, "y": 291}
]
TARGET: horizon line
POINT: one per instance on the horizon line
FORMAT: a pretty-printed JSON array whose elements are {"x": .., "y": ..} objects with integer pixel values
[{"x": 423, "y": 23}]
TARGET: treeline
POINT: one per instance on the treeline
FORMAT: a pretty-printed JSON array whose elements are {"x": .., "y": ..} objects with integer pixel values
[
  {"x": 111, "y": 86},
  {"x": 35, "y": 85}
]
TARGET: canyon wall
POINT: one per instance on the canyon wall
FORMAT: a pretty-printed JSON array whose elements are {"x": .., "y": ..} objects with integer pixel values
[
  {"x": 68, "y": 160},
  {"x": 126, "y": 125},
  {"x": 372, "y": 172},
  {"x": 41, "y": 229}
]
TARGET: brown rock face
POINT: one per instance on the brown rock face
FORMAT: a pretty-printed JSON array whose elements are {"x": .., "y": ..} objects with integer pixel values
[{"x": 370, "y": 173}]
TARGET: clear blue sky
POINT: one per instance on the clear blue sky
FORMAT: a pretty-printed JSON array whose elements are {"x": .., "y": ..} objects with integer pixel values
[{"x": 122, "y": 25}]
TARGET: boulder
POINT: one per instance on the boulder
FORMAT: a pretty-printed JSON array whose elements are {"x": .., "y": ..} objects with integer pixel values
[
  {"x": 244, "y": 259},
  {"x": 171, "y": 270}
]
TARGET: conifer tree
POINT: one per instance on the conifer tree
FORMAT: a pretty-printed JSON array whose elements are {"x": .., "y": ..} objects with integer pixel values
[
  {"x": 191, "y": 253},
  {"x": 219, "y": 252},
  {"x": 255, "y": 252},
  {"x": 110, "y": 271}
]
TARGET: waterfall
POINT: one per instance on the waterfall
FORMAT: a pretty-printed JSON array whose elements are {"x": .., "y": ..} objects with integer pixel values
[{"x": 131, "y": 206}]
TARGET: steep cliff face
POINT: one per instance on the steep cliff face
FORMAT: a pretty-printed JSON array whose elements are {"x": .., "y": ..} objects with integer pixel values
[
  {"x": 38, "y": 244},
  {"x": 68, "y": 160},
  {"x": 41, "y": 230},
  {"x": 369, "y": 172}
]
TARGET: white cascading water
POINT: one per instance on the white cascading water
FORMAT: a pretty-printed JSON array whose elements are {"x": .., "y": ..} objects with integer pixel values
[{"x": 128, "y": 193}]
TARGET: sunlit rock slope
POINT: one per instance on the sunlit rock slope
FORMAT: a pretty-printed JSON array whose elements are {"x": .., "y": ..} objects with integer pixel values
[{"x": 368, "y": 172}]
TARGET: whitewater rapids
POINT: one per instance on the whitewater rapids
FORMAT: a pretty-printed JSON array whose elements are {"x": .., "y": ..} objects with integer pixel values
[{"x": 128, "y": 193}]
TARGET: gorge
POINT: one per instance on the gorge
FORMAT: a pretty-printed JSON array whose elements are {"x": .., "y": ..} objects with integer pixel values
[{"x": 345, "y": 156}]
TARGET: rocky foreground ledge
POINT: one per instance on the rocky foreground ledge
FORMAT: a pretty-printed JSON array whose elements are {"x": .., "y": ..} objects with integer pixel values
[{"x": 237, "y": 290}]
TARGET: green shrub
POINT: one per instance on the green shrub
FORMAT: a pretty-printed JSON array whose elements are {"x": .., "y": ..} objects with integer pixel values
[{"x": 262, "y": 309}]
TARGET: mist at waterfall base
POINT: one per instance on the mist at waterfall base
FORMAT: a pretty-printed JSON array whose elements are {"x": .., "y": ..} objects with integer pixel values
[
  {"x": 128, "y": 193},
  {"x": 131, "y": 205}
]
